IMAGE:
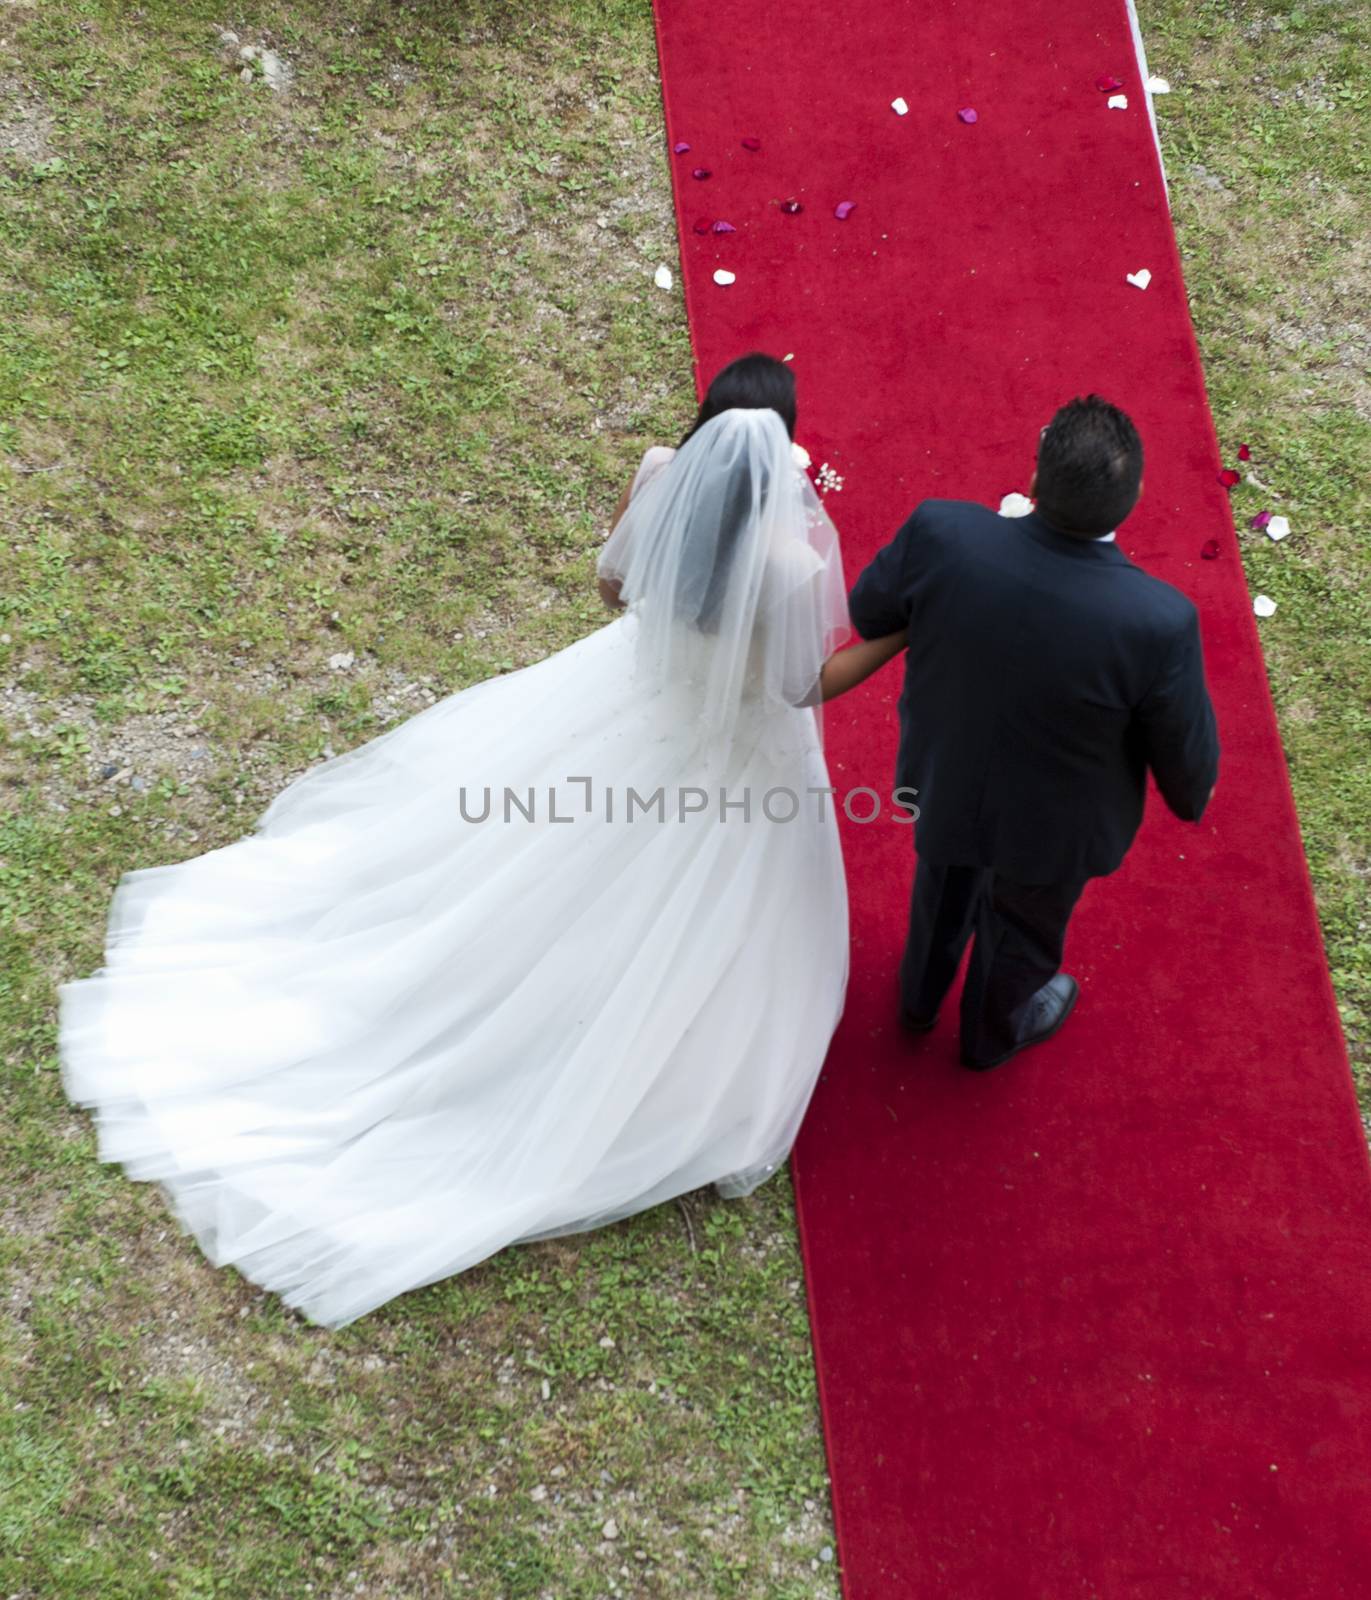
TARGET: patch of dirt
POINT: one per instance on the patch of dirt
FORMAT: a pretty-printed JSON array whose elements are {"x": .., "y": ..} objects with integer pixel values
[
  {"x": 125, "y": 760},
  {"x": 31, "y": 1219},
  {"x": 135, "y": 752},
  {"x": 26, "y": 129},
  {"x": 233, "y": 1402},
  {"x": 254, "y": 61}
]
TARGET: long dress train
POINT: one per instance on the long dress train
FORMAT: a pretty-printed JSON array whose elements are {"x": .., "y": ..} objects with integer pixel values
[{"x": 381, "y": 1036}]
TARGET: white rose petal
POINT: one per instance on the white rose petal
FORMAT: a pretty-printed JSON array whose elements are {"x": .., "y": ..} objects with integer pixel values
[
  {"x": 802, "y": 457},
  {"x": 1015, "y": 505},
  {"x": 1158, "y": 86},
  {"x": 1139, "y": 279},
  {"x": 1117, "y": 102},
  {"x": 1278, "y": 528},
  {"x": 900, "y": 106},
  {"x": 724, "y": 277},
  {"x": 1264, "y": 606},
  {"x": 662, "y": 277}
]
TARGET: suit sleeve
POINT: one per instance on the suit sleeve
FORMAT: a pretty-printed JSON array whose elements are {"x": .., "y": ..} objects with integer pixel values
[
  {"x": 1180, "y": 735},
  {"x": 880, "y": 602}
]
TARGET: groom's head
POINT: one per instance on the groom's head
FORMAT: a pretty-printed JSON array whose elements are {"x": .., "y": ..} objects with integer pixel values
[{"x": 1090, "y": 462}]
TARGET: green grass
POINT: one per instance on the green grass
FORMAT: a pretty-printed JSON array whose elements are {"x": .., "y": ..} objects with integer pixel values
[
  {"x": 360, "y": 370},
  {"x": 1267, "y": 142}
]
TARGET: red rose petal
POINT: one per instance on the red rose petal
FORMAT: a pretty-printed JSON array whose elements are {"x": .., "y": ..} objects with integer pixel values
[
  {"x": 680, "y": 148},
  {"x": 968, "y": 114},
  {"x": 702, "y": 173},
  {"x": 1228, "y": 478},
  {"x": 724, "y": 227},
  {"x": 792, "y": 208},
  {"x": 1260, "y": 520},
  {"x": 1244, "y": 452},
  {"x": 844, "y": 209},
  {"x": 1108, "y": 83},
  {"x": 752, "y": 144},
  {"x": 1209, "y": 550},
  {"x": 704, "y": 225}
]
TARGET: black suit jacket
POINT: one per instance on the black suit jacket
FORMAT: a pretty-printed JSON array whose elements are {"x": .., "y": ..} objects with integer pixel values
[{"x": 1045, "y": 676}]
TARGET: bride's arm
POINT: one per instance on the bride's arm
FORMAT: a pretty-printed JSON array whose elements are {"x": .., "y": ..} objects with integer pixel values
[
  {"x": 609, "y": 587},
  {"x": 653, "y": 461},
  {"x": 845, "y": 669}
]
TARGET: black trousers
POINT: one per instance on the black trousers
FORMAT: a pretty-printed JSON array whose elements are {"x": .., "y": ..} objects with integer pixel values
[{"x": 1019, "y": 931}]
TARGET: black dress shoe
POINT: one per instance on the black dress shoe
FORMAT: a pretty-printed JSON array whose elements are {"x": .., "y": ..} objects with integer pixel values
[
  {"x": 1047, "y": 1010},
  {"x": 912, "y": 1024}
]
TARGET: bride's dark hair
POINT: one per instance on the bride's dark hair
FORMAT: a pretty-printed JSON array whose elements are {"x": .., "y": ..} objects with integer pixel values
[
  {"x": 741, "y": 498},
  {"x": 751, "y": 383}
]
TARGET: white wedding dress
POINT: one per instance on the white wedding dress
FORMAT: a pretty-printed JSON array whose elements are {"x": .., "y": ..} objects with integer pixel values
[{"x": 375, "y": 1041}]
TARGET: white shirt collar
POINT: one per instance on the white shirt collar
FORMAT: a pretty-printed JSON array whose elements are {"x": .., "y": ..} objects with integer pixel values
[{"x": 1106, "y": 538}]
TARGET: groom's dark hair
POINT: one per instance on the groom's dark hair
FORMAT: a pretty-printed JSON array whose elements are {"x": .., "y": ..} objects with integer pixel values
[{"x": 1090, "y": 462}]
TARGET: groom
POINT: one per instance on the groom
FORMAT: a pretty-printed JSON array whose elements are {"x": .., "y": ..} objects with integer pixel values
[{"x": 1046, "y": 675}]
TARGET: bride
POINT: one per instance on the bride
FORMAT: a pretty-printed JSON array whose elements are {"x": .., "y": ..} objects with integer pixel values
[{"x": 564, "y": 945}]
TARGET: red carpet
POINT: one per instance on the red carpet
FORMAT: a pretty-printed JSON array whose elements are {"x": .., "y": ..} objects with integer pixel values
[{"x": 1095, "y": 1325}]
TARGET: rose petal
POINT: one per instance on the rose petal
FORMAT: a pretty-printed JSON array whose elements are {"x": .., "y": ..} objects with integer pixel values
[
  {"x": 1260, "y": 520},
  {"x": 844, "y": 209},
  {"x": 967, "y": 114},
  {"x": 662, "y": 277},
  {"x": 1015, "y": 505},
  {"x": 752, "y": 144},
  {"x": 703, "y": 225},
  {"x": 1108, "y": 83},
  {"x": 680, "y": 148},
  {"x": 1158, "y": 86},
  {"x": 1229, "y": 479},
  {"x": 1209, "y": 550},
  {"x": 702, "y": 173},
  {"x": 723, "y": 277},
  {"x": 1244, "y": 452},
  {"x": 1139, "y": 279},
  {"x": 900, "y": 106},
  {"x": 792, "y": 208},
  {"x": 1117, "y": 102},
  {"x": 1278, "y": 528},
  {"x": 1264, "y": 606},
  {"x": 724, "y": 227}
]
